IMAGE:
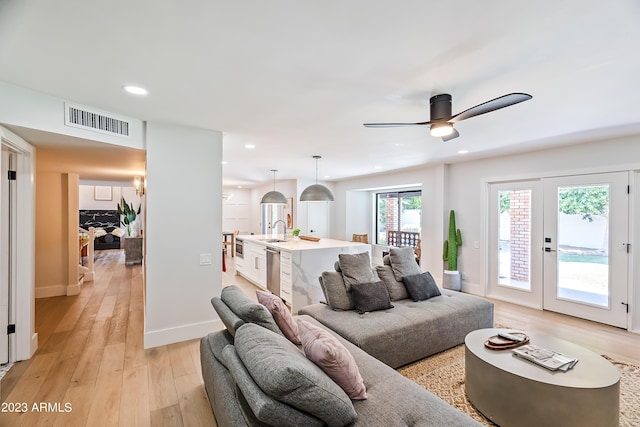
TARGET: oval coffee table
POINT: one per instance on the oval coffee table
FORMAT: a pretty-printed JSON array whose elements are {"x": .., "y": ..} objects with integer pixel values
[{"x": 511, "y": 391}]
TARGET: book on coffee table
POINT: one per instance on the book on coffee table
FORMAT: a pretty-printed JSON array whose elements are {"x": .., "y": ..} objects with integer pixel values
[{"x": 549, "y": 359}]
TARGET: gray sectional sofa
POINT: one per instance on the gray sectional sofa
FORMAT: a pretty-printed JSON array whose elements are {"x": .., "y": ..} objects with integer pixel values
[
  {"x": 409, "y": 331},
  {"x": 293, "y": 391}
]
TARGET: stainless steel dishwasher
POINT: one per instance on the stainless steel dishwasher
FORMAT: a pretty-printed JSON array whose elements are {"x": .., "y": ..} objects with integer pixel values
[{"x": 273, "y": 270}]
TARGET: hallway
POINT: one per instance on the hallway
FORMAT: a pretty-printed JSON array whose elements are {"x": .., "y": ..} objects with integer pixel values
[{"x": 91, "y": 367}]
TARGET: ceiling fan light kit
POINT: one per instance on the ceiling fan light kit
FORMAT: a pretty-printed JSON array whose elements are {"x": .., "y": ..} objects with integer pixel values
[
  {"x": 441, "y": 129},
  {"x": 441, "y": 121}
]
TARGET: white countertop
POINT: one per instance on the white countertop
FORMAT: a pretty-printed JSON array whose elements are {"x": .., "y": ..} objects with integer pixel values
[{"x": 293, "y": 244}]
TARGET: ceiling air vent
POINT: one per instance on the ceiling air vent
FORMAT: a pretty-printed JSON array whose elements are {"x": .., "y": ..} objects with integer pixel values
[{"x": 83, "y": 117}]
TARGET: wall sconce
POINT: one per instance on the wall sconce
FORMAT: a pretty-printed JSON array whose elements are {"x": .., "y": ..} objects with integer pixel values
[{"x": 140, "y": 184}]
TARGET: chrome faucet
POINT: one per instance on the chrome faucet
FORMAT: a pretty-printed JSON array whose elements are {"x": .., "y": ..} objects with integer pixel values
[{"x": 284, "y": 231}]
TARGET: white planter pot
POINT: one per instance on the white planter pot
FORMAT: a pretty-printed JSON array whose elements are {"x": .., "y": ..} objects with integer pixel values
[{"x": 451, "y": 280}]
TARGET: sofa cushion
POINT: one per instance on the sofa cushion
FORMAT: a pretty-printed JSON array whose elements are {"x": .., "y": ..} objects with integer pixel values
[
  {"x": 247, "y": 309},
  {"x": 420, "y": 329},
  {"x": 281, "y": 315},
  {"x": 421, "y": 286},
  {"x": 396, "y": 288},
  {"x": 335, "y": 291},
  {"x": 228, "y": 317},
  {"x": 264, "y": 407},
  {"x": 403, "y": 262},
  {"x": 370, "y": 297},
  {"x": 356, "y": 268},
  {"x": 333, "y": 358},
  {"x": 282, "y": 371}
]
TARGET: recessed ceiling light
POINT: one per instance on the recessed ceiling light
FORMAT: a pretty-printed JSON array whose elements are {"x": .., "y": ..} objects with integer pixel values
[
  {"x": 223, "y": 162},
  {"x": 327, "y": 177},
  {"x": 136, "y": 90},
  {"x": 377, "y": 167},
  {"x": 250, "y": 146},
  {"x": 463, "y": 151}
]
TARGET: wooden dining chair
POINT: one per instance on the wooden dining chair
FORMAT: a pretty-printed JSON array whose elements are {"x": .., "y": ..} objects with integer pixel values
[
  {"x": 232, "y": 243},
  {"x": 362, "y": 238}
]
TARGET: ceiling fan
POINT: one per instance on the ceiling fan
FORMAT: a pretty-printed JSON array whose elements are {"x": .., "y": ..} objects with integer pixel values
[{"x": 441, "y": 121}]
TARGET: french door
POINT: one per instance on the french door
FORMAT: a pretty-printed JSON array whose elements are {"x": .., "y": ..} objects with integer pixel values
[
  {"x": 561, "y": 244},
  {"x": 586, "y": 232}
]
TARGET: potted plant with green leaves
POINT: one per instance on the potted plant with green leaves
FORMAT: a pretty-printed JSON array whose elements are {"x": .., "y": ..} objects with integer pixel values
[
  {"x": 128, "y": 213},
  {"x": 132, "y": 245},
  {"x": 451, "y": 279}
]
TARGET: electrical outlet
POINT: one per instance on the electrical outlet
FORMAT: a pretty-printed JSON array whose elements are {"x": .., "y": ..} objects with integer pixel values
[{"x": 205, "y": 259}]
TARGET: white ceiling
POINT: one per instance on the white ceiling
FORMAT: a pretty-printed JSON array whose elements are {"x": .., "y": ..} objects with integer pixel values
[{"x": 299, "y": 78}]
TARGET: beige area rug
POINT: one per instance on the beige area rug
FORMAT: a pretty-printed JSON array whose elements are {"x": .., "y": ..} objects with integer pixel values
[{"x": 443, "y": 375}]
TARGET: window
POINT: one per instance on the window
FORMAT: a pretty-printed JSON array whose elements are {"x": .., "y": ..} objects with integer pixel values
[{"x": 398, "y": 218}]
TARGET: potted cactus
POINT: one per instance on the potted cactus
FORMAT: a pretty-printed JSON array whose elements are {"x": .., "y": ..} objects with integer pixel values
[{"x": 451, "y": 279}]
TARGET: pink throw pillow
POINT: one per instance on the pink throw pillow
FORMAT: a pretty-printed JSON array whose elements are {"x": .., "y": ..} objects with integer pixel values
[
  {"x": 281, "y": 315},
  {"x": 333, "y": 358}
]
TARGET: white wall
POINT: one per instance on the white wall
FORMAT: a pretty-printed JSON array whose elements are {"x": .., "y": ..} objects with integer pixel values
[
  {"x": 236, "y": 211},
  {"x": 184, "y": 220}
]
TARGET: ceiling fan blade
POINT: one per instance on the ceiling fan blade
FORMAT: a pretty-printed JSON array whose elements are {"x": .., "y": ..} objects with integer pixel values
[
  {"x": 393, "y": 125},
  {"x": 451, "y": 136},
  {"x": 489, "y": 106}
]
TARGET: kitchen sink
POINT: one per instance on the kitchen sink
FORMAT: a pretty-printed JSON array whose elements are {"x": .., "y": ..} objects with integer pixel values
[{"x": 272, "y": 240}]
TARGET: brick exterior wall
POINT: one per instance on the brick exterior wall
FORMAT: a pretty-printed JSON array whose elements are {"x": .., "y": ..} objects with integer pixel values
[
  {"x": 520, "y": 234},
  {"x": 392, "y": 214}
]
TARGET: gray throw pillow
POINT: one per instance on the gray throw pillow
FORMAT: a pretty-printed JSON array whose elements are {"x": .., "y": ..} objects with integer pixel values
[
  {"x": 264, "y": 407},
  {"x": 396, "y": 288},
  {"x": 356, "y": 268},
  {"x": 282, "y": 371},
  {"x": 421, "y": 286},
  {"x": 247, "y": 309},
  {"x": 335, "y": 291},
  {"x": 370, "y": 297},
  {"x": 403, "y": 262}
]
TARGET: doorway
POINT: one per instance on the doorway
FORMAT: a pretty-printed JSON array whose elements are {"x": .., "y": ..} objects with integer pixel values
[
  {"x": 561, "y": 244},
  {"x": 7, "y": 248}
]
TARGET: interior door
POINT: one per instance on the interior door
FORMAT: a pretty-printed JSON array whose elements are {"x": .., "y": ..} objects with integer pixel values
[
  {"x": 586, "y": 236},
  {"x": 5, "y": 254},
  {"x": 514, "y": 242}
]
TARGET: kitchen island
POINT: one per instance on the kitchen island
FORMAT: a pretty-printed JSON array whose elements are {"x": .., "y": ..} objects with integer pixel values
[{"x": 299, "y": 264}]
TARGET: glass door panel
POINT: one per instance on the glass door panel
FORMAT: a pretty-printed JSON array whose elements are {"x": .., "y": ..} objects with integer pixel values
[
  {"x": 583, "y": 250},
  {"x": 515, "y": 259},
  {"x": 514, "y": 238}
]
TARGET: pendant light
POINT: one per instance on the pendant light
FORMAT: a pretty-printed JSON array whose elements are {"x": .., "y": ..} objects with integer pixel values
[
  {"x": 274, "y": 197},
  {"x": 316, "y": 192}
]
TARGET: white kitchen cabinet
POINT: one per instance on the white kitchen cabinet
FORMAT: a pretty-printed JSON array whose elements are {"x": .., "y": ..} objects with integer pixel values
[
  {"x": 256, "y": 268},
  {"x": 286, "y": 282},
  {"x": 239, "y": 261}
]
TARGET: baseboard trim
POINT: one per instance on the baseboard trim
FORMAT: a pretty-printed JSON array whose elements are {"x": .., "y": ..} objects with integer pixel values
[
  {"x": 181, "y": 333},
  {"x": 34, "y": 344},
  {"x": 51, "y": 291}
]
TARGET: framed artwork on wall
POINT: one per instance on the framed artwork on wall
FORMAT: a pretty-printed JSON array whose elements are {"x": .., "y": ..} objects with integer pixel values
[
  {"x": 102, "y": 193},
  {"x": 288, "y": 212}
]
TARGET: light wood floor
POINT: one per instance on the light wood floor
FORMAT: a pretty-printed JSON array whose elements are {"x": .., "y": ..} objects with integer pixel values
[{"x": 91, "y": 355}]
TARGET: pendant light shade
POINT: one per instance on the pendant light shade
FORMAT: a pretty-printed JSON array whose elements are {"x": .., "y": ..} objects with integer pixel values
[
  {"x": 316, "y": 192},
  {"x": 274, "y": 197}
]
